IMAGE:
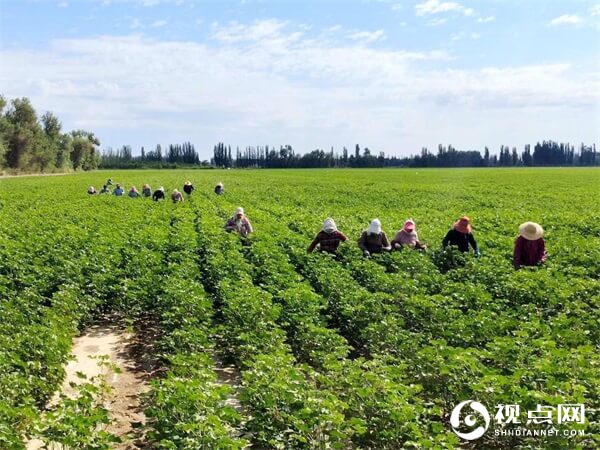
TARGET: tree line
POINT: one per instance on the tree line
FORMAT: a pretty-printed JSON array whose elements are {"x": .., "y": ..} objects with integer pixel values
[
  {"x": 32, "y": 144},
  {"x": 546, "y": 153},
  {"x": 173, "y": 156}
]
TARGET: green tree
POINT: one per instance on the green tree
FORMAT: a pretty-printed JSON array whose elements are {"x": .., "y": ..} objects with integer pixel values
[
  {"x": 84, "y": 154},
  {"x": 26, "y": 136}
]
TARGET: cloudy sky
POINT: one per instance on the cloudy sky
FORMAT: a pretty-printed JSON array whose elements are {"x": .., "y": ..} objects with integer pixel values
[{"x": 390, "y": 75}]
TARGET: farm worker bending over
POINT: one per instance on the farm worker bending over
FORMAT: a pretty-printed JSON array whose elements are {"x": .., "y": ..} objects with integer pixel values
[
  {"x": 529, "y": 246},
  {"x": 219, "y": 189},
  {"x": 328, "y": 239},
  {"x": 408, "y": 236},
  {"x": 133, "y": 192},
  {"x": 239, "y": 223},
  {"x": 147, "y": 191},
  {"x": 159, "y": 194},
  {"x": 118, "y": 190},
  {"x": 109, "y": 182},
  {"x": 176, "y": 196},
  {"x": 188, "y": 187},
  {"x": 105, "y": 190},
  {"x": 373, "y": 239},
  {"x": 92, "y": 190},
  {"x": 461, "y": 236}
]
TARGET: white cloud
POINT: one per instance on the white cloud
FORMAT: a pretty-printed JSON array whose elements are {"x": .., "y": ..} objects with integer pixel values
[
  {"x": 437, "y": 22},
  {"x": 595, "y": 10},
  {"x": 262, "y": 82},
  {"x": 566, "y": 19},
  {"x": 429, "y": 7},
  {"x": 435, "y": 7},
  {"x": 158, "y": 23},
  {"x": 62, "y": 4},
  {"x": 485, "y": 19},
  {"x": 135, "y": 24},
  {"x": 367, "y": 36}
]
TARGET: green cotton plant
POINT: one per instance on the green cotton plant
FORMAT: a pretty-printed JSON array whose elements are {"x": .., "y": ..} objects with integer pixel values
[
  {"x": 188, "y": 407},
  {"x": 79, "y": 420},
  {"x": 288, "y": 409}
]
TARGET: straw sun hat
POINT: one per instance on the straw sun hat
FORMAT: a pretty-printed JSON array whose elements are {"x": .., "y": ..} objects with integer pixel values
[{"x": 531, "y": 231}]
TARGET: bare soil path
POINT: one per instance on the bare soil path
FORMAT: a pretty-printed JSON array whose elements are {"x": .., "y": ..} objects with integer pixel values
[{"x": 132, "y": 354}]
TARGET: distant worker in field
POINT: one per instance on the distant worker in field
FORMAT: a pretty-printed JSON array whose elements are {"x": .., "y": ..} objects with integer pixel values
[
  {"x": 461, "y": 236},
  {"x": 146, "y": 190},
  {"x": 219, "y": 189},
  {"x": 176, "y": 196},
  {"x": 133, "y": 192},
  {"x": 105, "y": 190},
  {"x": 373, "y": 239},
  {"x": 408, "y": 236},
  {"x": 239, "y": 223},
  {"x": 328, "y": 239},
  {"x": 188, "y": 188},
  {"x": 109, "y": 182},
  {"x": 159, "y": 194},
  {"x": 92, "y": 190},
  {"x": 530, "y": 249},
  {"x": 118, "y": 191}
]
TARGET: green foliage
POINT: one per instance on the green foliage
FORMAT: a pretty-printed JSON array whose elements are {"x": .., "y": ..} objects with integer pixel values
[
  {"x": 332, "y": 352},
  {"x": 31, "y": 145}
]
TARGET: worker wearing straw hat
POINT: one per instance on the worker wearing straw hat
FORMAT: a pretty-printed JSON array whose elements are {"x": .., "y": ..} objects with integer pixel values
[
  {"x": 530, "y": 249},
  {"x": 188, "y": 187},
  {"x": 461, "y": 236}
]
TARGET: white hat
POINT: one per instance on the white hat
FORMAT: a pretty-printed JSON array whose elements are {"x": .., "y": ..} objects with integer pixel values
[
  {"x": 161, "y": 189},
  {"x": 375, "y": 227},
  {"x": 220, "y": 184},
  {"x": 329, "y": 225},
  {"x": 240, "y": 210},
  {"x": 531, "y": 231}
]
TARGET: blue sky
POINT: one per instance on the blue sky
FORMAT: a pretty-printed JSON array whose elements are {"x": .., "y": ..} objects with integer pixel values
[{"x": 391, "y": 75}]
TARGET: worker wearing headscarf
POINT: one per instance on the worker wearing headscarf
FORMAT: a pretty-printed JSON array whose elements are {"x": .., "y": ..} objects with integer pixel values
[
  {"x": 373, "y": 239},
  {"x": 328, "y": 239},
  {"x": 239, "y": 223}
]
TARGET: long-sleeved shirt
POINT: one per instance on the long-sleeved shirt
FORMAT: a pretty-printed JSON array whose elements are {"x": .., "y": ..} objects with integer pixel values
[
  {"x": 461, "y": 240},
  {"x": 158, "y": 195},
  {"x": 405, "y": 238},
  {"x": 118, "y": 192},
  {"x": 327, "y": 242},
  {"x": 373, "y": 243},
  {"x": 528, "y": 253},
  {"x": 146, "y": 192},
  {"x": 133, "y": 194},
  {"x": 243, "y": 226},
  {"x": 188, "y": 188}
]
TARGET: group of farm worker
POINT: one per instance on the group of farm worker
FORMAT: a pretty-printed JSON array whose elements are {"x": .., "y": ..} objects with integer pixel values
[
  {"x": 158, "y": 194},
  {"x": 529, "y": 246}
]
